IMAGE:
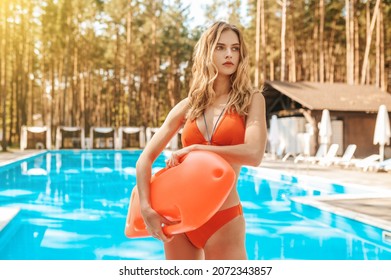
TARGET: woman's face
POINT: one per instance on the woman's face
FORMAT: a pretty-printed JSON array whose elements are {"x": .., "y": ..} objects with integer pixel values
[{"x": 227, "y": 53}]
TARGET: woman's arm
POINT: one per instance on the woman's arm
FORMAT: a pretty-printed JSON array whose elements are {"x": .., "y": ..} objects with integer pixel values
[
  {"x": 251, "y": 151},
  {"x": 171, "y": 125}
]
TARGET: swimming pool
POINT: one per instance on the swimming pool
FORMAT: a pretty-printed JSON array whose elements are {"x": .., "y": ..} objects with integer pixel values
[{"x": 73, "y": 205}]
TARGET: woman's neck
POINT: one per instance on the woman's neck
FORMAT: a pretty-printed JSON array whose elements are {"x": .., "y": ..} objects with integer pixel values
[{"x": 222, "y": 86}]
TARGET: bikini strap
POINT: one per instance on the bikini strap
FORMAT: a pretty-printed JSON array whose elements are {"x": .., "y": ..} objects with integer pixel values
[{"x": 214, "y": 127}]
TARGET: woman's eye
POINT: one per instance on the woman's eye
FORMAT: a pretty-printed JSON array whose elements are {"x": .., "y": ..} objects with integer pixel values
[
  {"x": 219, "y": 48},
  {"x": 235, "y": 49}
]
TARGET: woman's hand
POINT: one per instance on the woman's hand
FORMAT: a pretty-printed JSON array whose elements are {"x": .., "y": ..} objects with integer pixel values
[
  {"x": 176, "y": 156},
  {"x": 155, "y": 223}
]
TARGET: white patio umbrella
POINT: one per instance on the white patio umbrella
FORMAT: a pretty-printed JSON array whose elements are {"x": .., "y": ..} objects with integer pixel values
[
  {"x": 274, "y": 135},
  {"x": 382, "y": 130},
  {"x": 325, "y": 130}
]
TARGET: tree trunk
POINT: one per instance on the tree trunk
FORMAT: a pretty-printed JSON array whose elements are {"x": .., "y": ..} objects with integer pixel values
[
  {"x": 73, "y": 111},
  {"x": 349, "y": 42},
  {"x": 368, "y": 43},
  {"x": 50, "y": 109},
  {"x": 377, "y": 63},
  {"x": 383, "y": 80},
  {"x": 321, "y": 42},
  {"x": 380, "y": 69},
  {"x": 129, "y": 66},
  {"x": 329, "y": 52},
  {"x": 283, "y": 4},
  {"x": 263, "y": 42},
  {"x": 257, "y": 44},
  {"x": 315, "y": 48},
  {"x": 171, "y": 82},
  {"x": 292, "y": 46},
  {"x": 3, "y": 80},
  {"x": 356, "y": 51},
  {"x": 347, "y": 28},
  {"x": 116, "y": 100},
  {"x": 271, "y": 63},
  {"x": 153, "y": 73},
  {"x": 63, "y": 112},
  {"x": 368, "y": 26},
  {"x": 82, "y": 94}
]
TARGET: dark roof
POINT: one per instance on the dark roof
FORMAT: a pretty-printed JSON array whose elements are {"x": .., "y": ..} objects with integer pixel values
[{"x": 334, "y": 97}]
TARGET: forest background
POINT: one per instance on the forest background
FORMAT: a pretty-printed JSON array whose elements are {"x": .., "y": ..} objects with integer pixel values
[{"x": 128, "y": 62}]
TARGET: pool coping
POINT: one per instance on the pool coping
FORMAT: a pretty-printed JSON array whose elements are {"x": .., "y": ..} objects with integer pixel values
[
  {"x": 367, "y": 227},
  {"x": 7, "y": 214},
  {"x": 291, "y": 177},
  {"x": 13, "y": 161},
  {"x": 321, "y": 204}
]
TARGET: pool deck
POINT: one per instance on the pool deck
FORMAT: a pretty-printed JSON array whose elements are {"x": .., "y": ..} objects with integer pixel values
[
  {"x": 372, "y": 208},
  {"x": 12, "y": 155}
]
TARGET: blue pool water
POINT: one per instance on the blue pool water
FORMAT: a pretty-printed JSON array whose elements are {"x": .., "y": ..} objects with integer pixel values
[{"x": 74, "y": 204}]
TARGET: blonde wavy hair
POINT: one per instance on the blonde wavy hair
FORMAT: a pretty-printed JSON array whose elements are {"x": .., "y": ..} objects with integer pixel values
[{"x": 204, "y": 73}]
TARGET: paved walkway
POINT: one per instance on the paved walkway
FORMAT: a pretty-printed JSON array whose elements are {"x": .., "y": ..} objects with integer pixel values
[
  {"x": 12, "y": 155},
  {"x": 349, "y": 175},
  {"x": 367, "y": 207}
]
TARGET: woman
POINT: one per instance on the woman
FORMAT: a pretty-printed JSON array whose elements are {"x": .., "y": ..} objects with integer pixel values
[{"x": 221, "y": 114}]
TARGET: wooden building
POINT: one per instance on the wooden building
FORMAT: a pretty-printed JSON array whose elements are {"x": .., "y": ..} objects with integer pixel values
[{"x": 353, "y": 110}]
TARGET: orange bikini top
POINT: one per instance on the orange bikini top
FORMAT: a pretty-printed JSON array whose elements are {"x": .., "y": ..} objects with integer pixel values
[{"x": 229, "y": 131}]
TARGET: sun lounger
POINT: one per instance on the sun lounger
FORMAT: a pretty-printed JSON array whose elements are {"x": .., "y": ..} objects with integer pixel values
[
  {"x": 381, "y": 166},
  {"x": 321, "y": 155},
  {"x": 367, "y": 163},
  {"x": 346, "y": 157},
  {"x": 330, "y": 156},
  {"x": 279, "y": 153}
]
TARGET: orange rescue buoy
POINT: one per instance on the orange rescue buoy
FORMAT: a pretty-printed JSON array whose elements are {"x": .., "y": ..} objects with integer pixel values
[{"x": 189, "y": 193}]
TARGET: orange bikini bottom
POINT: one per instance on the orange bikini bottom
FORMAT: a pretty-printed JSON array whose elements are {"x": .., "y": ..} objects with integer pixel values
[{"x": 200, "y": 236}]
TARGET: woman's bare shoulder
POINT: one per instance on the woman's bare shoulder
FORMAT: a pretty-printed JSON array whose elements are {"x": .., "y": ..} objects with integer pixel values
[
  {"x": 257, "y": 97},
  {"x": 182, "y": 106},
  {"x": 184, "y": 103},
  {"x": 179, "y": 111}
]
